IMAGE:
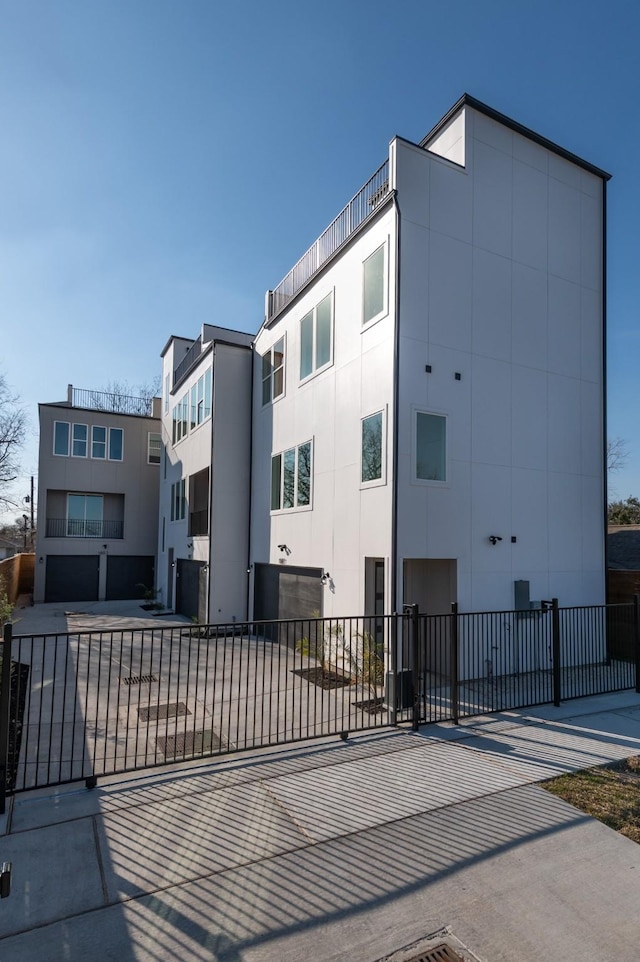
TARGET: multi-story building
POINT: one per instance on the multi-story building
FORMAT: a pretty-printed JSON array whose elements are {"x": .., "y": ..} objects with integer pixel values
[
  {"x": 99, "y": 463},
  {"x": 428, "y": 391},
  {"x": 203, "y": 536}
]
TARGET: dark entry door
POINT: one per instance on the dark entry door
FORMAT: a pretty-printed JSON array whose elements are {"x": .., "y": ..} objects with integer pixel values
[
  {"x": 191, "y": 578},
  {"x": 128, "y": 576}
]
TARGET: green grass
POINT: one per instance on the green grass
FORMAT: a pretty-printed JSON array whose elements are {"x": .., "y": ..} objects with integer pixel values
[{"x": 610, "y": 793}]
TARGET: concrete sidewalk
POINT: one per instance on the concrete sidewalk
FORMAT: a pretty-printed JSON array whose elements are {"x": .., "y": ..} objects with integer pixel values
[{"x": 336, "y": 851}]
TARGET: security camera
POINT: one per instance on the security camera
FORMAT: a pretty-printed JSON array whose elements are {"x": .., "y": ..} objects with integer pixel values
[{"x": 494, "y": 538}]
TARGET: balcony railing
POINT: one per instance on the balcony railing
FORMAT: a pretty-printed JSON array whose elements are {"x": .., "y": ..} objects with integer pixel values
[
  {"x": 112, "y": 402},
  {"x": 347, "y": 221},
  {"x": 190, "y": 358},
  {"x": 71, "y": 528}
]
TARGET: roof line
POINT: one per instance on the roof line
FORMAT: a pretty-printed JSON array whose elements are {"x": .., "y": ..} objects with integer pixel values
[{"x": 469, "y": 101}]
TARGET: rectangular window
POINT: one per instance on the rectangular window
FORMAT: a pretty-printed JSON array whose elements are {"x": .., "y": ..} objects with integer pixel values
[
  {"x": 371, "y": 454},
  {"x": 185, "y": 415},
  {"x": 431, "y": 447},
  {"x": 98, "y": 442},
  {"x": 61, "y": 438},
  {"x": 154, "y": 448},
  {"x": 316, "y": 338},
  {"x": 199, "y": 503},
  {"x": 116, "y": 444},
  {"x": 194, "y": 405},
  {"x": 273, "y": 372},
  {"x": 207, "y": 393},
  {"x": 373, "y": 284},
  {"x": 178, "y": 501},
  {"x": 79, "y": 440},
  {"x": 84, "y": 516},
  {"x": 291, "y": 473}
]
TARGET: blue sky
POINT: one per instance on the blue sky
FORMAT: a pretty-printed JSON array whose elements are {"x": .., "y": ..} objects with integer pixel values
[{"x": 163, "y": 163}]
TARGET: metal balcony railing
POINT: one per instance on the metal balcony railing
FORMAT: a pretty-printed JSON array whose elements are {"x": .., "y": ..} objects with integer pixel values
[
  {"x": 190, "y": 358},
  {"x": 348, "y": 220},
  {"x": 72, "y": 528},
  {"x": 112, "y": 402}
]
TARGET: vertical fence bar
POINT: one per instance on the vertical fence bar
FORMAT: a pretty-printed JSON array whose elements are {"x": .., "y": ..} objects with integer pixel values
[
  {"x": 5, "y": 705},
  {"x": 636, "y": 637},
  {"x": 555, "y": 646},
  {"x": 454, "y": 662},
  {"x": 414, "y": 649}
]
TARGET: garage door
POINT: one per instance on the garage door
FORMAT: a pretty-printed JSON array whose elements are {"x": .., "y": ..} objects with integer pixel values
[
  {"x": 126, "y": 574},
  {"x": 286, "y": 591},
  {"x": 71, "y": 578},
  {"x": 191, "y": 589}
]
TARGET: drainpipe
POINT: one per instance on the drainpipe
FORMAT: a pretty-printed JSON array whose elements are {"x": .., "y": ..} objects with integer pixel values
[
  {"x": 396, "y": 379},
  {"x": 250, "y": 483}
]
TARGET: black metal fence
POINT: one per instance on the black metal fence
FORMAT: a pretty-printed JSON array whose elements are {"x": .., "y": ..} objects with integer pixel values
[{"x": 85, "y": 704}]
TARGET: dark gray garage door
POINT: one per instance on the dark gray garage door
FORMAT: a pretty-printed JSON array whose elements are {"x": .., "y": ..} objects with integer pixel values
[
  {"x": 286, "y": 591},
  {"x": 126, "y": 574},
  {"x": 71, "y": 578},
  {"x": 191, "y": 589}
]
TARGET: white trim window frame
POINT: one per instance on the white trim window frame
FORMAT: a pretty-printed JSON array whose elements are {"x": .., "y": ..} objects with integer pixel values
[
  {"x": 178, "y": 500},
  {"x": 79, "y": 440},
  {"x": 273, "y": 372},
  {"x": 113, "y": 432},
  {"x": 59, "y": 436},
  {"x": 375, "y": 285},
  {"x": 292, "y": 479},
  {"x": 97, "y": 443},
  {"x": 316, "y": 338},
  {"x": 373, "y": 449},
  {"x": 154, "y": 447},
  {"x": 430, "y": 453}
]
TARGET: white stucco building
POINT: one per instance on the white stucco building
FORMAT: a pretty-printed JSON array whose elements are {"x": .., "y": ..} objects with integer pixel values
[{"x": 428, "y": 387}]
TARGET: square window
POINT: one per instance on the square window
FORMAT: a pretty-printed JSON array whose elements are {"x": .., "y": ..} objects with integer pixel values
[
  {"x": 431, "y": 447},
  {"x": 61, "y": 436},
  {"x": 373, "y": 284},
  {"x": 372, "y": 449}
]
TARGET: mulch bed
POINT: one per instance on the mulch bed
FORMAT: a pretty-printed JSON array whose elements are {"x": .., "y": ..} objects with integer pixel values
[
  {"x": 323, "y": 677},
  {"x": 374, "y": 706}
]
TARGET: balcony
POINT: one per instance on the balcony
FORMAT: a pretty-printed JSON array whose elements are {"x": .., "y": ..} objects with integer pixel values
[
  {"x": 187, "y": 362},
  {"x": 340, "y": 230},
  {"x": 111, "y": 402},
  {"x": 70, "y": 528}
]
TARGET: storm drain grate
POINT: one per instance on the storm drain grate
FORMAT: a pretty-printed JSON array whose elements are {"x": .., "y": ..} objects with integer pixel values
[
  {"x": 138, "y": 679},
  {"x": 190, "y": 743},
  {"x": 440, "y": 953},
  {"x": 156, "y": 712}
]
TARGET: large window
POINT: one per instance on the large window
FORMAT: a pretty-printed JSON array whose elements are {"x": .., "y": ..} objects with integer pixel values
[
  {"x": 178, "y": 501},
  {"x": 273, "y": 372},
  {"x": 199, "y": 503},
  {"x": 316, "y": 338},
  {"x": 291, "y": 473},
  {"x": 154, "y": 448},
  {"x": 431, "y": 447},
  {"x": 373, "y": 286},
  {"x": 98, "y": 442},
  {"x": 116, "y": 444},
  {"x": 79, "y": 440},
  {"x": 193, "y": 408},
  {"x": 372, "y": 463},
  {"x": 61, "y": 436},
  {"x": 84, "y": 516}
]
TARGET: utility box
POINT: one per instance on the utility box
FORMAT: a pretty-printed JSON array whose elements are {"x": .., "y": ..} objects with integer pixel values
[
  {"x": 521, "y": 595},
  {"x": 398, "y": 689}
]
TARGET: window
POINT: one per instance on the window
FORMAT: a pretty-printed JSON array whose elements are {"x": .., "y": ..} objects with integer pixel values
[
  {"x": 431, "y": 447},
  {"x": 116, "y": 444},
  {"x": 98, "y": 442},
  {"x": 193, "y": 408},
  {"x": 372, "y": 465},
  {"x": 178, "y": 501},
  {"x": 199, "y": 503},
  {"x": 154, "y": 448},
  {"x": 316, "y": 338},
  {"x": 61, "y": 438},
  {"x": 373, "y": 286},
  {"x": 273, "y": 372},
  {"x": 291, "y": 478},
  {"x": 84, "y": 516},
  {"x": 79, "y": 437}
]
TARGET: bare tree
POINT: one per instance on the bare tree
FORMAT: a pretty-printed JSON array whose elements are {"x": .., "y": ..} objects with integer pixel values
[
  {"x": 121, "y": 397},
  {"x": 617, "y": 454},
  {"x": 13, "y": 427}
]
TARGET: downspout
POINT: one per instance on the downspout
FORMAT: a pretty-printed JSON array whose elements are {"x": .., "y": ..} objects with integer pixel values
[
  {"x": 396, "y": 391},
  {"x": 250, "y": 483},
  {"x": 213, "y": 407},
  {"x": 604, "y": 391}
]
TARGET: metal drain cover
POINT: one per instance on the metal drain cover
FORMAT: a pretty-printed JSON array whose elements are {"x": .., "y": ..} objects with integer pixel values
[
  {"x": 190, "y": 743},
  {"x": 156, "y": 712},
  {"x": 138, "y": 679},
  {"x": 440, "y": 946},
  {"x": 440, "y": 953}
]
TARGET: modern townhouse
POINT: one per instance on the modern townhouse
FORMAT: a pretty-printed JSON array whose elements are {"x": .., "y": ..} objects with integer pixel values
[{"x": 98, "y": 481}]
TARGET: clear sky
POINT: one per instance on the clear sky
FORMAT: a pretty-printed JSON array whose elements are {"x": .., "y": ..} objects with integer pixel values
[{"x": 164, "y": 162}]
